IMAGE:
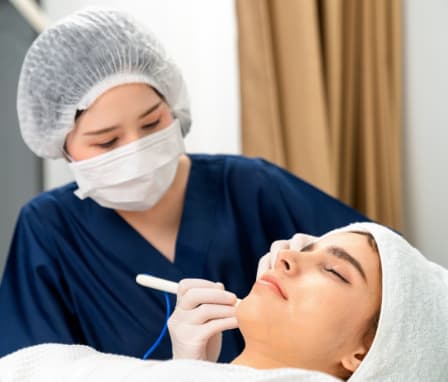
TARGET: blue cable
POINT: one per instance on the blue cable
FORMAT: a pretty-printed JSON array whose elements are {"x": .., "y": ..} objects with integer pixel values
[{"x": 164, "y": 329}]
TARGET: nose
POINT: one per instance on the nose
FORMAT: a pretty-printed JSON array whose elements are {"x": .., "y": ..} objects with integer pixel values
[
  {"x": 286, "y": 261},
  {"x": 132, "y": 134}
]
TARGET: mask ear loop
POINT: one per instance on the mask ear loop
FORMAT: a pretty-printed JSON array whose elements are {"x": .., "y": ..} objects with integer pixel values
[
  {"x": 164, "y": 329},
  {"x": 65, "y": 154}
]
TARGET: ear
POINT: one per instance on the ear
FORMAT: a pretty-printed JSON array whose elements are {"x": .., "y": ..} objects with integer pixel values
[{"x": 352, "y": 361}]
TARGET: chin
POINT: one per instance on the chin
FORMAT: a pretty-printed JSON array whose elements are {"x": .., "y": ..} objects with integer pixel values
[{"x": 255, "y": 312}]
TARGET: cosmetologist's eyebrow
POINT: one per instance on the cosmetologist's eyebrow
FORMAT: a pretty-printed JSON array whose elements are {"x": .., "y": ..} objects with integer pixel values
[
  {"x": 111, "y": 128},
  {"x": 101, "y": 131},
  {"x": 150, "y": 110}
]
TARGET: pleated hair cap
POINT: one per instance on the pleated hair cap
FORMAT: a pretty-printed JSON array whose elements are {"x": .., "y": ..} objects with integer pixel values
[{"x": 78, "y": 59}]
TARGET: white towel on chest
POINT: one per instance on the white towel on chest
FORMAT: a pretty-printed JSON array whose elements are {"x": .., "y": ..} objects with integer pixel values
[{"x": 77, "y": 363}]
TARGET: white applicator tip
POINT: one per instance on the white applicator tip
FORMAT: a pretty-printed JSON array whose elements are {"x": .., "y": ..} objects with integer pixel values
[
  {"x": 161, "y": 284},
  {"x": 157, "y": 283}
]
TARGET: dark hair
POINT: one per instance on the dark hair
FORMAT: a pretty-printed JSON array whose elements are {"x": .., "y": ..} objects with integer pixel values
[
  {"x": 78, "y": 114},
  {"x": 371, "y": 327},
  {"x": 372, "y": 324},
  {"x": 370, "y": 239}
]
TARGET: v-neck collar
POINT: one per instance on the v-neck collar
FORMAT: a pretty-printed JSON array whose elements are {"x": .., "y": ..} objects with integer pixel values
[
  {"x": 198, "y": 222},
  {"x": 195, "y": 230}
]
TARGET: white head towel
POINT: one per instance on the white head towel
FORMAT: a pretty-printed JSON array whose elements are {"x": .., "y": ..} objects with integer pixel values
[{"x": 411, "y": 343}]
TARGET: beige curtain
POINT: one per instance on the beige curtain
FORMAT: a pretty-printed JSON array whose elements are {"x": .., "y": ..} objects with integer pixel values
[{"x": 321, "y": 95}]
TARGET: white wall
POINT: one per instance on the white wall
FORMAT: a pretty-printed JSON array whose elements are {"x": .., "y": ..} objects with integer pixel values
[
  {"x": 201, "y": 36},
  {"x": 426, "y": 126}
]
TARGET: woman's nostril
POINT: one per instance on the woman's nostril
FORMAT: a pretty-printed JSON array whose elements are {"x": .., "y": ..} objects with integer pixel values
[{"x": 287, "y": 266}]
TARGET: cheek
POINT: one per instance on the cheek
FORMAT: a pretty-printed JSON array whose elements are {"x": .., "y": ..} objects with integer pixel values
[
  {"x": 321, "y": 308},
  {"x": 169, "y": 115},
  {"x": 79, "y": 150},
  {"x": 167, "y": 118},
  {"x": 260, "y": 317}
]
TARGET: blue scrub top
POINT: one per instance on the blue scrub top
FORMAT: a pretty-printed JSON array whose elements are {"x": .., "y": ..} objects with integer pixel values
[{"x": 70, "y": 274}]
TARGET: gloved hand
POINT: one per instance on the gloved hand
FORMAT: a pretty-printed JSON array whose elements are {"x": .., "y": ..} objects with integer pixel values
[
  {"x": 297, "y": 242},
  {"x": 203, "y": 310}
]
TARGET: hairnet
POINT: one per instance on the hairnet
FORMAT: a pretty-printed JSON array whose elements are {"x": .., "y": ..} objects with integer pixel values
[{"x": 75, "y": 61}]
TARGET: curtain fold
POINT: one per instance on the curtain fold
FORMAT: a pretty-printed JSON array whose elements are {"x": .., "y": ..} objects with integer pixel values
[{"x": 321, "y": 95}]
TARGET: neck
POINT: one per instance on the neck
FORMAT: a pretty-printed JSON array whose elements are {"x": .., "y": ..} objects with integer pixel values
[{"x": 258, "y": 359}]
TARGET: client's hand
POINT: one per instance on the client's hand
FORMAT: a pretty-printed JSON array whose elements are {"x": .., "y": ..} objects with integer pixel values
[
  {"x": 296, "y": 243},
  {"x": 203, "y": 310}
]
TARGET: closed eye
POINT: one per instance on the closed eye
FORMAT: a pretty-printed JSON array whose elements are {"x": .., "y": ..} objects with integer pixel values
[
  {"x": 107, "y": 144},
  {"x": 151, "y": 125},
  {"x": 337, "y": 274}
]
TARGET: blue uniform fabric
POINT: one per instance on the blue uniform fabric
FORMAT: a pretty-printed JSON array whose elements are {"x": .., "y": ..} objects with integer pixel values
[{"x": 70, "y": 273}]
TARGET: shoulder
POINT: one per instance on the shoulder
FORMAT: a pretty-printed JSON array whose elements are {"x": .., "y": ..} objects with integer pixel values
[
  {"x": 49, "y": 205},
  {"x": 239, "y": 165},
  {"x": 249, "y": 178}
]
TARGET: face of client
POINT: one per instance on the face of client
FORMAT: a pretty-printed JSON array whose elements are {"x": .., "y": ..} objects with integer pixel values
[{"x": 315, "y": 308}]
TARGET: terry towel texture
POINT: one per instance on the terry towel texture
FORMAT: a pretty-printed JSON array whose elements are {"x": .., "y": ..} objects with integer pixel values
[
  {"x": 70, "y": 363},
  {"x": 411, "y": 343}
]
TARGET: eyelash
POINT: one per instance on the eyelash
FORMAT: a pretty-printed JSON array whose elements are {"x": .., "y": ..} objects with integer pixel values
[
  {"x": 342, "y": 278},
  {"x": 112, "y": 141},
  {"x": 151, "y": 125},
  {"x": 107, "y": 144}
]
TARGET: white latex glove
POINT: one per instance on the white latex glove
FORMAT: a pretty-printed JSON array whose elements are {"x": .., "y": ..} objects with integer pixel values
[
  {"x": 296, "y": 243},
  {"x": 203, "y": 310}
]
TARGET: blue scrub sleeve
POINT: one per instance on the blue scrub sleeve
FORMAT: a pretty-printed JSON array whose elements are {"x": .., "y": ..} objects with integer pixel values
[{"x": 34, "y": 299}]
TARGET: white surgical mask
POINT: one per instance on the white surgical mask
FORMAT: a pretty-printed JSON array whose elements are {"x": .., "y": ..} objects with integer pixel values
[{"x": 133, "y": 177}]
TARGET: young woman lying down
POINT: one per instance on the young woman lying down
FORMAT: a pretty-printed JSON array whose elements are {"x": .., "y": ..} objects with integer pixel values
[{"x": 358, "y": 304}]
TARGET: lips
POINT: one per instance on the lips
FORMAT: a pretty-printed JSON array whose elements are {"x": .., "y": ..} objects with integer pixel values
[{"x": 274, "y": 284}]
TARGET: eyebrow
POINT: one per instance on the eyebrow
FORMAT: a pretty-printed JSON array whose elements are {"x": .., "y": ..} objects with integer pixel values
[
  {"x": 151, "y": 109},
  {"x": 111, "y": 128},
  {"x": 341, "y": 253}
]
